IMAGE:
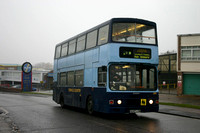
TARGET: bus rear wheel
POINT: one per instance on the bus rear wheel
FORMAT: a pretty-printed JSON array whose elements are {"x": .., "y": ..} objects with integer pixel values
[{"x": 90, "y": 106}]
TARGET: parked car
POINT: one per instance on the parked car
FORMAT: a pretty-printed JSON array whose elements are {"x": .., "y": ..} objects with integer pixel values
[
  {"x": 19, "y": 87},
  {"x": 34, "y": 89},
  {"x": 16, "y": 86},
  {"x": 5, "y": 85}
]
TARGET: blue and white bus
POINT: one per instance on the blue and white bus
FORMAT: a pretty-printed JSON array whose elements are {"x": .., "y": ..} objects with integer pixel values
[{"x": 111, "y": 68}]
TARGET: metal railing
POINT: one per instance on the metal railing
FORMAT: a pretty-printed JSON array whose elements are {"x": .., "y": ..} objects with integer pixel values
[{"x": 168, "y": 89}]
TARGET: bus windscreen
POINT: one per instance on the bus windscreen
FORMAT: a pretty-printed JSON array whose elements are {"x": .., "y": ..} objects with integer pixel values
[{"x": 132, "y": 78}]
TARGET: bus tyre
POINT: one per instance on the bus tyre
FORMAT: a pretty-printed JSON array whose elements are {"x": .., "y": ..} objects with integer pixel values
[
  {"x": 62, "y": 104},
  {"x": 90, "y": 106}
]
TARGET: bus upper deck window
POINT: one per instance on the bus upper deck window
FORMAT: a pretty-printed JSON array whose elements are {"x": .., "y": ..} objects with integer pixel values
[{"x": 133, "y": 33}]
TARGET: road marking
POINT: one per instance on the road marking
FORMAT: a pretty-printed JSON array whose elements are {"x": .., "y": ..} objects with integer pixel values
[{"x": 5, "y": 112}]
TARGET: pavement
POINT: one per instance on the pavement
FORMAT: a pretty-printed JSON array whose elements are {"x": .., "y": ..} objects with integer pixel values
[
  {"x": 7, "y": 126},
  {"x": 180, "y": 111}
]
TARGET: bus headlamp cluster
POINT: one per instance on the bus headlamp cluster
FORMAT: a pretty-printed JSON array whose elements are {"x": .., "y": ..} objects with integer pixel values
[
  {"x": 119, "y": 102},
  {"x": 112, "y": 102}
]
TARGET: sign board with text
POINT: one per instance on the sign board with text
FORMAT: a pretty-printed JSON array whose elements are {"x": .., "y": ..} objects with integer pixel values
[
  {"x": 135, "y": 53},
  {"x": 27, "y": 77}
]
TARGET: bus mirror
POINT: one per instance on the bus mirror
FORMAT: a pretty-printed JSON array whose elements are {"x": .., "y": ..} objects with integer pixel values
[{"x": 104, "y": 68}]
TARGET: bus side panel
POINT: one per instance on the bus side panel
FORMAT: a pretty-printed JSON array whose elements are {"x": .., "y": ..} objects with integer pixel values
[
  {"x": 62, "y": 91},
  {"x": 77, "y": 97},
  {"x": 98, "y": 95},
  {"x": 55, "y": 89},
  {"x": 99, "y": 98},
  {"x": 56, "y": 94}
]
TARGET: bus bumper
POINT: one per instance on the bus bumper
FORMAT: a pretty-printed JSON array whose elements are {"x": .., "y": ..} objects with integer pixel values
[{"x": 130, "y": 110}]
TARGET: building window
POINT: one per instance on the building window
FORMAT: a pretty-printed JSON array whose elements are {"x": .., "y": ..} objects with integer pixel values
[
  {"x": 196, "y": 53},
  {"x": 190, "y": 53},
  {"x": 167, "y": 63},
  {"x": 102, "y": 76},
  {"x": 186, "y": 53},
  {"x": 79, "y": 78}
]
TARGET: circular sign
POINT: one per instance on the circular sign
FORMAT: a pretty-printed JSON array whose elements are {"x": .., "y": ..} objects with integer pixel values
[{"x": 27, "y": 67}]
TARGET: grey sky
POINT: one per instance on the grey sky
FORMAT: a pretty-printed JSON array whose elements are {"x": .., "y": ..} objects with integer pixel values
[{"x": 30, "y": 29}]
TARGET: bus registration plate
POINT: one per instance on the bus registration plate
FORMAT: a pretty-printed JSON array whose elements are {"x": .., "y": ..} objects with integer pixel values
[{"x": 134, "y": 111}]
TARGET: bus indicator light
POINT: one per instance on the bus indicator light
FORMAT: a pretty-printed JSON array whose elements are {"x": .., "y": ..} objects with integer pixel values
[
  {"x": 157, "y": 102},
  {"x": 111, "y": 102}
]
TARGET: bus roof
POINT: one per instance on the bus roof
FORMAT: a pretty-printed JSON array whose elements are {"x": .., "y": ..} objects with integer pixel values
[{"x": 113, "y": 20}]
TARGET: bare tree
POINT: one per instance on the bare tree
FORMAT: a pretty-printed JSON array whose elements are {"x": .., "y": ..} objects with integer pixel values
[
  {"x": 168, "y": 52},
  {"x": 46, "y": 66}
]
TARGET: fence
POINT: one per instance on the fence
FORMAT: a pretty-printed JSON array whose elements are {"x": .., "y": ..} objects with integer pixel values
[{"x": 168, "y": 89}]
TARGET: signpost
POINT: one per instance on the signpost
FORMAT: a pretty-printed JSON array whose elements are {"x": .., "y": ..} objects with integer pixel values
[{"x": 27, "y": 77}]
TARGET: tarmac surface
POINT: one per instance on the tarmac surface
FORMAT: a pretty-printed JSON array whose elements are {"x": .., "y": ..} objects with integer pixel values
[{"x": 8, "y": 126}]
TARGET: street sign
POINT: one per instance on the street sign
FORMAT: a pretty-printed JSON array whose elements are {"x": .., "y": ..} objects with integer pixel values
[
  {"x": 27, "y": 77},
  {"x": 27, "y": 67}
]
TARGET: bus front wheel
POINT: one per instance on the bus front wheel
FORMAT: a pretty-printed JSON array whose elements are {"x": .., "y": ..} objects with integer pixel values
[{"x": 90, "y": 106}]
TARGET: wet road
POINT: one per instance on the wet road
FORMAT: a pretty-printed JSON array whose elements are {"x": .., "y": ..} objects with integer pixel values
[{"x": 34, "y": 113}]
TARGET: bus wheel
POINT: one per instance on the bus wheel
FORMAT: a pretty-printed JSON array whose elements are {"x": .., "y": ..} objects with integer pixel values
[
  {"x": 62, "y": 104},
  {"x": 90, "y": 106}
]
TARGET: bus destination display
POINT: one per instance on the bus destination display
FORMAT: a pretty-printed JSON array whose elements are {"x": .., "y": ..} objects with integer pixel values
[{"x": 137, "y": 53}]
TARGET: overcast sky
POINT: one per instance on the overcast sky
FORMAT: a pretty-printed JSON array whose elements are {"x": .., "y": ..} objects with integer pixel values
[{"x": 30, "y": 29}]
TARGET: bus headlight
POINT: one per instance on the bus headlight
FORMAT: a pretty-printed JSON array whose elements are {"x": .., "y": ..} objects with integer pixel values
[
  {"x": 119, "y": 101},
  {"x": 150, "y": 101}
]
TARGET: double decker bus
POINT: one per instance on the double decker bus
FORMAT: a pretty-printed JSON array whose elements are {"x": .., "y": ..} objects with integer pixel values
[{"x": 111, "y": 68}]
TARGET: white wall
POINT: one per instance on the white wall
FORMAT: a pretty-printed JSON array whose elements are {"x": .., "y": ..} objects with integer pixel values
[
  {"x": 190, "y": 67},
  {"x": 15, "y": 75},
  {"x": 190, "y": 40}
]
